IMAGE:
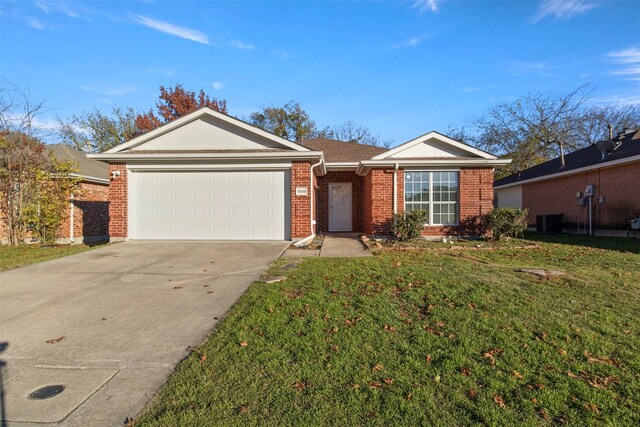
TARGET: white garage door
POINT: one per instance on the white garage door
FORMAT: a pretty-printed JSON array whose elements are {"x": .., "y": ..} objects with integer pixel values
[{"x": 239, "y": 205}]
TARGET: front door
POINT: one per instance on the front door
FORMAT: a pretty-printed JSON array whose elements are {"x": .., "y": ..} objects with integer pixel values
[{"x": 340, "y": 206}]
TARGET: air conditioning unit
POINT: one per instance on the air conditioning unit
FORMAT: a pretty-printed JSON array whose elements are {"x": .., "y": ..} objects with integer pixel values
[{"x": 549, "y": 224}]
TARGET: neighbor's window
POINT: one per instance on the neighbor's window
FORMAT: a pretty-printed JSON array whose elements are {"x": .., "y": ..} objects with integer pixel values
[{"x": 434, "y": 192}]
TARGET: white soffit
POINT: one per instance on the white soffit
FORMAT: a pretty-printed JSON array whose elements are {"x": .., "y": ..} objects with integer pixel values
[{"x": 433, "y": 145}]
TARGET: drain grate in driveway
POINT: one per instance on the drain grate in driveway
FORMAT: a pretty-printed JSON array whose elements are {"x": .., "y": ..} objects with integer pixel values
[{"x": 47, "y": 392}]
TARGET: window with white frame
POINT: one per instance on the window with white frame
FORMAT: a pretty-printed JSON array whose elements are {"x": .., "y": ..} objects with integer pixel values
[{"x": 435, "y": 192}]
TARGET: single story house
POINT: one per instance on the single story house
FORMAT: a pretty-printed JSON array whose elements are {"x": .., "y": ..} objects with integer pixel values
[
  {"x": 211, "y": 176},
  {"x": 607, "y": 172},
  {"x": 87, "y": 217}
]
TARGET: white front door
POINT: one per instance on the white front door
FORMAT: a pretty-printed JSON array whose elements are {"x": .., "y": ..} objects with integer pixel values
[{"x": 340, "y": 206}]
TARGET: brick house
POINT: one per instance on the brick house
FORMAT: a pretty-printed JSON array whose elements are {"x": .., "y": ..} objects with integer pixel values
[
  {"x": 612, "y": 170},
  {"x": 87, "y": 216},
  {"x": 211, "y": 176}
]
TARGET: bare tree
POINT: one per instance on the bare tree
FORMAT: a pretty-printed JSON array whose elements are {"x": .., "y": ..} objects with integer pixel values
[
  {"x": 351, "y": 132},
  {"x": 594, "y": 121},
  {"x": 94, "y": 132},
  {"x": 21, "y": 158}
]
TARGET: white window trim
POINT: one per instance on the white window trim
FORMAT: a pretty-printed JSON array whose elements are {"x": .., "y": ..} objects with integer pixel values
[{"x": 431, "y": 202}]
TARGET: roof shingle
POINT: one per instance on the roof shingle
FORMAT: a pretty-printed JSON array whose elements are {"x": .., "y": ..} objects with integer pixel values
[{"x": 339, "y": 151}]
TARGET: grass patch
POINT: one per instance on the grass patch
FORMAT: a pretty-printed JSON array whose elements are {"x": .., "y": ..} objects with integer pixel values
[
  {"x": 441, "y": 337},
  {"x": 18, "y": 256}
]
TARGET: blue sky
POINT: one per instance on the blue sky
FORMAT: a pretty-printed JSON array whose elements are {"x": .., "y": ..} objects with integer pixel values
[{"x": 400, "y": 68}]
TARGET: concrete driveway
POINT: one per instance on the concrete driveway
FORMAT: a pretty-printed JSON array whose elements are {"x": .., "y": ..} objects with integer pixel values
[{"x": 111, "y": 324}]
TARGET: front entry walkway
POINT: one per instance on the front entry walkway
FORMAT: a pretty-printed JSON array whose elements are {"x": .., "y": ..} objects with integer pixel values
[{"x": 343, "y": 245}]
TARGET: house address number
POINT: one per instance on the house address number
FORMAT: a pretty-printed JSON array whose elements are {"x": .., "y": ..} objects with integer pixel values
[{"x": 302, "y": 191}]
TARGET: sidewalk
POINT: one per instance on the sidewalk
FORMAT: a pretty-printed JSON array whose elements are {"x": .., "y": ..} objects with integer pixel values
[{"x": 343, "y": 245}]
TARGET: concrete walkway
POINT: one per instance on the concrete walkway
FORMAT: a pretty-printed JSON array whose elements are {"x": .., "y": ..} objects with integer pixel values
[
  {"x": 111, "y": 324},
  {"x": 343, "y": 245}
]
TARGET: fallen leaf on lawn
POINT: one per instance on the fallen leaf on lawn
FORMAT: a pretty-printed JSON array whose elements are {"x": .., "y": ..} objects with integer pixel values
[
  {"x": 409, "y": 396},
  {"x": 499, "y": 401},
  {"x": 242, "y": 409},
  {"x": 534, "y": 401},
  {"x": 592, "y": 359},
  {"x": 437, "y": 378},
  {"x": 518, "y": 375},
  {"x": 388, "y": 381},
  {"x": 540, "y": 386},
  {"x": 356, "y": 385},
  {"x": 428, "y": 358},
  {"x": 465, "y": 371},
  {"x": 377, "y": 367},
  {"x": 375, "y": 384},
  {"x": 333, "y": 330},
  {"x": 472, "y": 393},
  {"x": 203, "y": 358},
  {"x": 542, "y": 336},
  {"x": 571, "y": 374},
  {"x": 300, "y": 385},
  {"x": 335, "y": 348},
  {"x": 591, "y": 407},
  {"x": 244, "y": 344},
  {"x": 562, "y": 352},
  {"x": 55, "y": 340},
  {"x": 270, "y": 309},
  {"x": 544, "y": 414},
  {"x": 389, "y": 328}
]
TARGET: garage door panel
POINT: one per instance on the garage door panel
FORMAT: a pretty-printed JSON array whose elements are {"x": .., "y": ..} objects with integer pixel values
[{"x": 210, "y": 205}]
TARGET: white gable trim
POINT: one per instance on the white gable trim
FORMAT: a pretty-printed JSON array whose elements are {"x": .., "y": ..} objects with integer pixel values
[
  {"x": 434, "y": 135},
  {"x": 184, "y": 120}
]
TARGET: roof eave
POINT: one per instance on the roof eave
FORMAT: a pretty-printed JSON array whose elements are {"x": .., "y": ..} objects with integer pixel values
[{"x": 120, "y": 157}]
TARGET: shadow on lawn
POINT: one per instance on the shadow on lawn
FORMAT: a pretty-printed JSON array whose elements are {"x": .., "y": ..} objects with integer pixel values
[{"x": 621, "y": 244}]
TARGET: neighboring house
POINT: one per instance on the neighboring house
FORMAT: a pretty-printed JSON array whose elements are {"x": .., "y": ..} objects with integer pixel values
[
  {"x": 87, "y": 218},
  {"x": 611, "y": 167},
  {"x": 210, "y": 176}
]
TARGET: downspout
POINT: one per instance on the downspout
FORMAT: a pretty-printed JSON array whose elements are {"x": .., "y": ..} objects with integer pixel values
[
  {"x": 71, "y": 237},
  {"x": 312, "y": 222},
  {"x": 395, "y": 189}
]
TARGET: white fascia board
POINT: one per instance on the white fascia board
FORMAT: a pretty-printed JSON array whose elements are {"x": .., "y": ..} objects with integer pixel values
[
  {"x": 334, "y": 166},
  {"x": 195, "y": 116},
  {"x": 572, "y": 172},
  {"x": 194, "y": 167},
  {"x": 366, "y": 165},
  {"x": 293, "y": 155},
  {"x": 93, "y": 179},
  {"x": 439, "y": 137}
]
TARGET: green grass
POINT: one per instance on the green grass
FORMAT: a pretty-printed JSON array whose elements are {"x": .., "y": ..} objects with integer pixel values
[
  {"x": 18, "y": 256},
  {"x": 429, "y": 337}
]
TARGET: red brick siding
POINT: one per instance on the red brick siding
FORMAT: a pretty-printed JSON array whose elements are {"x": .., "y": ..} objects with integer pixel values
[
  {"x": 617, "y": 184},
  {"x": 90, "y": 212},
  {"x": 357, "y": 200},
  {"x": 476, "y": 199},
  {"x": 118, "y": 201},
  {"x": 300, "y": 205}
]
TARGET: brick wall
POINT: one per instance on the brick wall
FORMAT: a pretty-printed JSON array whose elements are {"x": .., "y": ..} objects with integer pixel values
[
  {"x": 618, "y": 185},
  {"x": 475, "y": 194},
  {"x": 90, "y": 213},
  {"x": 357, "y": 192},
  {"x": 300, "y": 205},
  {"x": 118, "y": 195}
]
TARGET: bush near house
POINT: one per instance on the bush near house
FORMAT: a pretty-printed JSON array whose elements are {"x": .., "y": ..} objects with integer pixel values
[
  {"x": 409, "y": 225},
  {"x": 505, "y": 223}
]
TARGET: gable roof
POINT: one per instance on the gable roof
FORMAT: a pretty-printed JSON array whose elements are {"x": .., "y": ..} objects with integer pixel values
[
  {"x": 88, "y": 168},
  {"x": 437, "y": 136},
  {"x": 586, "y": 158},
  {"x": 200, "y": 114},
  {"x": 340, "y": 151}
]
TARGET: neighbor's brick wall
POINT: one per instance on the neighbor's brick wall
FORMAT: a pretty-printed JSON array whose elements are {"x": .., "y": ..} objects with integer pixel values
[
  {"x": 118, "y": 201},
  {"x": 476, "y": 199},
  {"x": 90, "y": 213},
  {"x": 618, "y": 185},
  {"x": 300, "y": 205},
  {"x": 357, "y": 200}
]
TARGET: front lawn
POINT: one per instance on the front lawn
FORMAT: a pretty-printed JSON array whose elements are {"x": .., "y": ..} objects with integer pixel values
[
  {"x": 18, "y": 256},
  {"x": 452, "y": 337}
]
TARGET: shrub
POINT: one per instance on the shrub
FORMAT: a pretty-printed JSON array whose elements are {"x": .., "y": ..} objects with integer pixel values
[
  {"x": 408, "y": 225},
  {"x": 506, "y": 222}
]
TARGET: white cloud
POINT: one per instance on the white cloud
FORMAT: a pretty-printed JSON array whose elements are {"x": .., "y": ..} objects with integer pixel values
[
  {"x": 217, "y": 85},
  {"x": 412, "y": 42},
  {"x": 523, "y": 68},
  {"x": 61, "y": 6},
  {"x": 34, "y": 23},
  {"x": 281, "y": 53},
  {"x": 174, "y": 30},
  {"x": 619, "y": 100},
  {"x": 426, "y": 5},
  {"x": 240, "y": 45},
  {"x": 113, "y": 91},
  {"x": 562, "y": 9},
  {"x": 630, "y": 60}
]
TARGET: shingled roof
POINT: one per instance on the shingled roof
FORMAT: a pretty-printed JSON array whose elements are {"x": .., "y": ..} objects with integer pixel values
[
  {"x": 87, "y": 167},
  {"x": 585, "y": 157},
  {"x": 340, "y": 151}
]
